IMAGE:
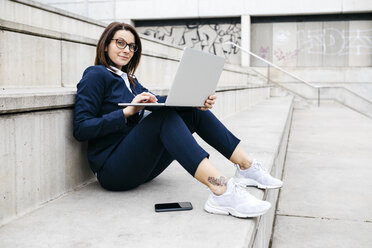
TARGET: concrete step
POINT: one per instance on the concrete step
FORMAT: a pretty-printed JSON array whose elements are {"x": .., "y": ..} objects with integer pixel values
[
  {"x": 325, "y": 94},
  {"x": 39, "y": 157},
  {"x": 298, "y": 101},
  {"x": 327, "y": 193},
  {"x": 93, "y": 217}
]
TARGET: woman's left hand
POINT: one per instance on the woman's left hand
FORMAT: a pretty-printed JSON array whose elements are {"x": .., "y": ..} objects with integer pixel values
[{"x": 209, "y": 102}]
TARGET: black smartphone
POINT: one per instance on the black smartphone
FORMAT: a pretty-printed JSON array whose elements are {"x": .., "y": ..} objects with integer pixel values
[{"x": 173, "y": 206}]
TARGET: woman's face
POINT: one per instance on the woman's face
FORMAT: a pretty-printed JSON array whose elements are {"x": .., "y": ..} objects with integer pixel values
[{"x": 120, "y": 56}]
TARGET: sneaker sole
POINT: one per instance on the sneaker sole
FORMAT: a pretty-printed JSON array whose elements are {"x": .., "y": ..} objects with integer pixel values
[
  {"x": 247, "y": 182},
  {"x": 229, "y": 211}
]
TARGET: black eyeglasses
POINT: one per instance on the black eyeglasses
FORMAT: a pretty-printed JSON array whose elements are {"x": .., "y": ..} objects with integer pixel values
[{"x": 122, "y": 44}]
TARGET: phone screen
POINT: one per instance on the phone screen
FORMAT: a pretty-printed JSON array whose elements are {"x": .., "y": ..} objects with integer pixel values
[{"x": 174, "y": 206}]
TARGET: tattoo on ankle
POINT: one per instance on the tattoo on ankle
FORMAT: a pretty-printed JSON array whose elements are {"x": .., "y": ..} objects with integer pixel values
[{"x": 222, "y": 181}]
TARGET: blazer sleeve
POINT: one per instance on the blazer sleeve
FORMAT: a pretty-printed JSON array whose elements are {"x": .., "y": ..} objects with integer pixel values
[
  {"x": 88, "y": 124},
  {"x": 161, "y": 99}
]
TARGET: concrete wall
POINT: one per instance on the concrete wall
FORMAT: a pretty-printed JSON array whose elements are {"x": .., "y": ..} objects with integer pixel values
[
  {"x": 208, "y": 35},
  {"x": 162, "y": 57},
  {"x": 109, "y": 10},
  {"x": 313, "y": 44},
  {"x": 308, "y": 43},
  {"x": 49, "y": 18},
  {"x": 41, "y": 49},
  {"x": 52, "y": 47},
  {"x": 48, "y": 59},
  {"x": 52, "y": 57},
  {"x": 40, "y": 160}
]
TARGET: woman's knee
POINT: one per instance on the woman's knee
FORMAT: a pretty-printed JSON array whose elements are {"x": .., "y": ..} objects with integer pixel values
[{"x": 114, "y": 183}]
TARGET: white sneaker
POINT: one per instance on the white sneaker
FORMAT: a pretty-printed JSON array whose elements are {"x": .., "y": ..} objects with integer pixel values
[
  {"x": 257, "y": 176},
  {"x": 237, "y": 202}
]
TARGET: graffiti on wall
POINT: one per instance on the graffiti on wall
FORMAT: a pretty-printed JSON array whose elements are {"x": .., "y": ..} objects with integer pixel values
[
  {"x": 332, "y": 41},
  {"x": 264, "y": 52},
  {"x": 285, "y": 55},
  {"x": 287, "y": 46},
  {"x": 206, "y": 37}
]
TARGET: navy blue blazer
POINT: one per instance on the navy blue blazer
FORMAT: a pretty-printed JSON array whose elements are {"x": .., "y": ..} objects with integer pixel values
[{"x": 97, "y": 117}]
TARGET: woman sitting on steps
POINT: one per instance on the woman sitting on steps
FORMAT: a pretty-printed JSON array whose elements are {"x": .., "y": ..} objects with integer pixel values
[{"x": 126, "y": 149}]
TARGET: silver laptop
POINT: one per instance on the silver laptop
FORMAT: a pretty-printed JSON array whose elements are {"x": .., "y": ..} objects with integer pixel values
[{"x": 196, "y": 78}]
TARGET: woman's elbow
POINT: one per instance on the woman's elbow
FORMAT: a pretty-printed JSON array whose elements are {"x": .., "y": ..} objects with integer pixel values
[{"x": 79, "y": 135}]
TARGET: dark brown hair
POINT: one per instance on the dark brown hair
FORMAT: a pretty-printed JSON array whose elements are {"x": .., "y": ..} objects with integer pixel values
[{"x": 102, "y": 57}]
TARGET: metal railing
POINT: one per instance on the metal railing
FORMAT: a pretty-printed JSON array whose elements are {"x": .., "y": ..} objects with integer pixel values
[{"x": 317, "y": 87}]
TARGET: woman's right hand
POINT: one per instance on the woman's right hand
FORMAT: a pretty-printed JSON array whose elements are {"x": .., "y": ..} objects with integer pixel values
[{"x": 144, "y": 97}]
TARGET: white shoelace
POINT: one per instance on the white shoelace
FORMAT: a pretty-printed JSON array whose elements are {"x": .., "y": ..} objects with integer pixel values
[
  {"x": 257, "y": 165},
  {"x": 239, "y": 190},
  {"x": 236, "y": 188}
]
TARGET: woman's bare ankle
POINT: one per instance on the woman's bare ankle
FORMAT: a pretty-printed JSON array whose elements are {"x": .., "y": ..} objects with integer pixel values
[
  {"x": 218, "y": 185},
  {"x": 246, "y": 164}
]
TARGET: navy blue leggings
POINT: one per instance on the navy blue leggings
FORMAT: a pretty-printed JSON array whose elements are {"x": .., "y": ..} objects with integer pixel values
[{"x": 161, "y": 137}]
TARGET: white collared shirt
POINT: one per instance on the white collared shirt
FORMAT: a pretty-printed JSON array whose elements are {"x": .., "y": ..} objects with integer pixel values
[{"x": 122, "y": 74}]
